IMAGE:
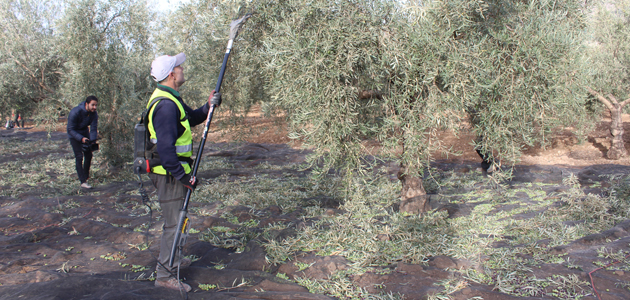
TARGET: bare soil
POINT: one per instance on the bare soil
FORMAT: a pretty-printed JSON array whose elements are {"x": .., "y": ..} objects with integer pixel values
[{"x": 42, "y": 258}]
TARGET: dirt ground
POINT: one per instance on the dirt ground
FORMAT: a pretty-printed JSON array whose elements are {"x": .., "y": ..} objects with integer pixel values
[
  {"x": 48, "y": 256},
  {"x": 564, "y": 151}
]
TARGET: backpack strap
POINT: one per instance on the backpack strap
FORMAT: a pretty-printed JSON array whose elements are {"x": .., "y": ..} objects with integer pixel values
[{"x": 145, "y": 114}]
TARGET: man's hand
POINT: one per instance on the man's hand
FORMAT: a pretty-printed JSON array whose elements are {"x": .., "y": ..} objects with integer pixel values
[
  {"x": 189, "y": 182},
  {"x": 85, "y": 140},
  {"x": 215, "y": 98}
]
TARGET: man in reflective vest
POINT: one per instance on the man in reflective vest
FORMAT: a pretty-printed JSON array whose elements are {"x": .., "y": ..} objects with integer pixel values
[{"x": 170, "y": 121}]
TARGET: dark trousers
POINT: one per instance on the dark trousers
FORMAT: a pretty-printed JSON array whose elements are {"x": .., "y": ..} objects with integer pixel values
[
  {"x": 17, "y": 121},
  {"x": 486, "y": 161},
  {"x": 83, "y": 160},
  {"x": 171, "y": 194}
]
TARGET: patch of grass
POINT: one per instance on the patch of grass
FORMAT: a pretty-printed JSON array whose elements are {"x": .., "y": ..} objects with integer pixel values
[
  {"x": 138, "y": 268},
  {"x": 413, "y": 238},
  {"x": 115, "y": 256},
  {"x": 215, "y": 163},
  {"x": 228, "y": 238},
  {"x": 569, "y": 287},
  {"x": 302, "y": 266},
  {"x": 140, "y": 246},
  {"x": 141, "y": 228},
  {"x": 611, "y": 256},
  {"x": 450, "y": 286},
  {"x": 193, "y": 258},
  {"x": 52, "y": 175},
  {"x": 259, "y": 191},
  {"x": 340, "y": 286},
  {"x": 65, "y": 268},
  {"x": 207, "y": 287}
]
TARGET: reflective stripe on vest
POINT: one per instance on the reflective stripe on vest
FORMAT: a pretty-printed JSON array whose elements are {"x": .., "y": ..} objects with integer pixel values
[{"x": 183, "y": 144}]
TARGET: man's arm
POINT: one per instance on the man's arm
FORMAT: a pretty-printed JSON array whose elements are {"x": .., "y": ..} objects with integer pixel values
[
  {"x": 197, "y": 116},
  {"x": 167, "y": 116},
  {"x": 94, "y": 128},
  {"x": 71, "y": 127}
]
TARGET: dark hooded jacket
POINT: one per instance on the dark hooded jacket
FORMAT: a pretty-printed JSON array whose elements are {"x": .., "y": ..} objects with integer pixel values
[{"x": 79, "y": 120}]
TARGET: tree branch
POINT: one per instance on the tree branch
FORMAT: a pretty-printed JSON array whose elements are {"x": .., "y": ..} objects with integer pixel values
[
  {"x": 41, "y": 84},
  {"x": 601, "y": 99},
  {"x": 614, "y": 100},
  {"x": 110, "y": 21}
]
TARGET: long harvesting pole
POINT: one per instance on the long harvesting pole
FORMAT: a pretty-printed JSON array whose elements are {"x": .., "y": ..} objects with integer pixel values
[{"x": 182, "y": 222}]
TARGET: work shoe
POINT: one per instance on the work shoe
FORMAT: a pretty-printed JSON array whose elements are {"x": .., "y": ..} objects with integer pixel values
[
  {"x": 184, "y": 263},
  {"x": 85, "y": 185},
  {"x": 173, "y": 284}
]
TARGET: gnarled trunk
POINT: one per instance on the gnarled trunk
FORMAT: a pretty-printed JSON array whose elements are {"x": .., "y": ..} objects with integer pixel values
[
  {"x": 617, "y": 149},
  {"x": 414, "y": 197}
]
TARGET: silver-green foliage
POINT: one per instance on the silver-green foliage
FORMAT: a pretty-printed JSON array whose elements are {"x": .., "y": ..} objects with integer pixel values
[
  {"x": 318, "y": 57},
  {"x": 31, "y": 67},
  {"x": 108, "y": 51},
  {"x": 347, "y": 71},
  {"x": 516, "y": 68},
  {"x": 609, "y": 49},
  {"x": 201, "y": 31}
]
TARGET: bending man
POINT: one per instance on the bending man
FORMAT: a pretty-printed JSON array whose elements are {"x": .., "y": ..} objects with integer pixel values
[
  {"x": 170, "y": 122},
  {"x": 82, "y": 131}
]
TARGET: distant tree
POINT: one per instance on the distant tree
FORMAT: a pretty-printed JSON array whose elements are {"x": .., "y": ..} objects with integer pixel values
[
  {"x": 31, "y": 66},
  {"x": 610, "y": 68},
  {"x": 201, "y": 31},
  {"x": 108, "y": 51}
]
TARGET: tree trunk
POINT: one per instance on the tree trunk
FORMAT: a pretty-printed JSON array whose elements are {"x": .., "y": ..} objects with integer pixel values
[
  {"x": 617, "y": 149},
  {"x": 414, "y": 199}
]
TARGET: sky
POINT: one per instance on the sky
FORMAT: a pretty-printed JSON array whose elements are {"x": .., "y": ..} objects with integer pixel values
[{"x": 167, "y": 5}]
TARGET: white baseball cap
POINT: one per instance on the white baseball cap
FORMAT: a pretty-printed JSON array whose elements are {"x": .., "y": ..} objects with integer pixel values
[{"x": 164, "y": 65}]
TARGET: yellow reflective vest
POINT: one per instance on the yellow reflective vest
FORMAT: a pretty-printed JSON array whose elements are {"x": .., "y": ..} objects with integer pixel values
[{"x": 183, "y": 144}]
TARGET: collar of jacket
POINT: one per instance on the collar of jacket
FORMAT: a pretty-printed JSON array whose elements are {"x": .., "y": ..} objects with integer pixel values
[{"x": 171, "y": 91}]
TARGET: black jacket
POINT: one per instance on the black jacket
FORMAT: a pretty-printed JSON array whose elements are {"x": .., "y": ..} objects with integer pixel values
[{"x": 79, "y": 120}]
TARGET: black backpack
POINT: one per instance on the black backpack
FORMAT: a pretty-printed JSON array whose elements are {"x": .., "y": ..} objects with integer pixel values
[{"x": 144, "y": 151}]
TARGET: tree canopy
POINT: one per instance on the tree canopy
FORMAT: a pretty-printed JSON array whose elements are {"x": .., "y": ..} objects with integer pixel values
[
  {"x": 107, "y": 47},
  {"x": 31, "y": 68},
  {"x": 347, "y": 71},
  {"x": 609, "y": 53}
]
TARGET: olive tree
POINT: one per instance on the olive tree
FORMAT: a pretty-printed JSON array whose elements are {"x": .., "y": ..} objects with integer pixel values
[
  {"x": 346, "y": 72},
  {"x": 108, "y": 55},
  {"x": 518, "y": 69},
  {"x": 349, "y": 70},
  {"x": 201, "y": 31},
  {"x": 610, "y": 71},
  {"x": 31, "y": 66}
]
